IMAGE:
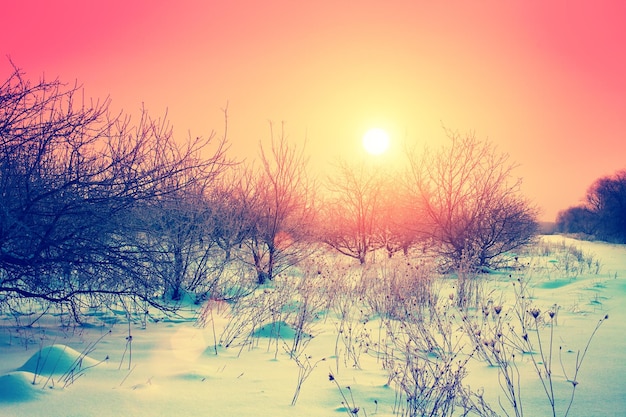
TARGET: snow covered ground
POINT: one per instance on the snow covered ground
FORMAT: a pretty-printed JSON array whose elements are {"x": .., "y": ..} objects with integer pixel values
[{"x": 174, "y": 367}]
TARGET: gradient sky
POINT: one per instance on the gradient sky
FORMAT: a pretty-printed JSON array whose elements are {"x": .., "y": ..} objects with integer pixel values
[{"x": 544, "y": 80}]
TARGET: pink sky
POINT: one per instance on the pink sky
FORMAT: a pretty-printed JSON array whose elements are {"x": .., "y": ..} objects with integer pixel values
[{"x": 543, "y": 80}]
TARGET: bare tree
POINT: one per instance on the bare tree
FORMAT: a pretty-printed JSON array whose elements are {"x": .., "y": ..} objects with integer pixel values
[
  {"x": 353, "y": 211},
  {"x": 174, "y": 227},
  {"x": 232, "y": 216},
  {"x": 473, "y": 205},
  {"x": 402, "y": 223},
  {"x": 173, "y": 237},
  {"x": 71, "y": 175},
  {"x": 281, "y": 204}
]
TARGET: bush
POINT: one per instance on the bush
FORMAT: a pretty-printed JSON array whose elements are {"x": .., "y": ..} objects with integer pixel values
[{"x": 71, "y": 177}]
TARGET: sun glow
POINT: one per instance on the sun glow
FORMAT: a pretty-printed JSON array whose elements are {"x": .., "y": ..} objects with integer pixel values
[{"x": 376, "y": 141}]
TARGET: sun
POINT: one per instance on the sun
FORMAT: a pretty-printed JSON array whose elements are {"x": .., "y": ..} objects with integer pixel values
[{"x": 376, "y": 141}]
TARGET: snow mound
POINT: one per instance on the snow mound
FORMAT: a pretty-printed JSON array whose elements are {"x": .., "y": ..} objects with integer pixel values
[
  {"x": 191, "y": 376},
  {"x": 277, "y": 329},
  {"x": 554, "y": 284},
  {"x": 56, "y": 360},
  {"x": 18, "y": 387}
]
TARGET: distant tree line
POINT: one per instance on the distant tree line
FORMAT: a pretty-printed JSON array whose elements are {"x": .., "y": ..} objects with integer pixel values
[
  {"x": 99, "y": 207},
  {"x": 602, "y": 215}
]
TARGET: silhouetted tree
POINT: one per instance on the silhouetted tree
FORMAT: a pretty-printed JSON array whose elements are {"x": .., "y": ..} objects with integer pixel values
[
  {"x": 606, "y": 198},
  {"x": 578, "y": 219},
  {"x": 603, "y": 214}
]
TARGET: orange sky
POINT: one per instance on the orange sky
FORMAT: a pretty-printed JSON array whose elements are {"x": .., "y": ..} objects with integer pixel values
[{"x": 545, "y": 81}]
